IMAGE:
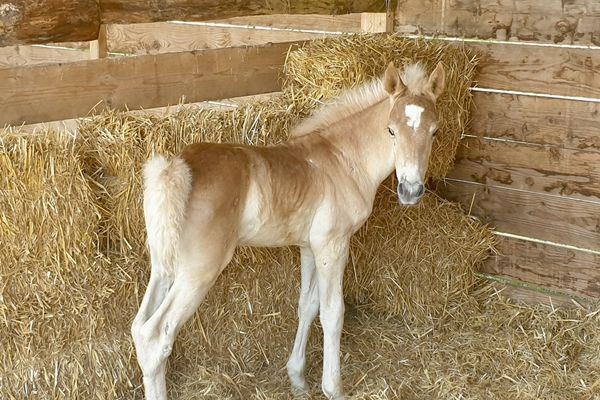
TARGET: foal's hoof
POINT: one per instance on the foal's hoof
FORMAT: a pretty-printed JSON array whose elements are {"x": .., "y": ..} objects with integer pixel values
[{"x": 299, "y": 387}]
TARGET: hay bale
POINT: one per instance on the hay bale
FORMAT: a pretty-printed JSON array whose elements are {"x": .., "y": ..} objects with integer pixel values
[
  {"x": 320, "y": 70},
  {"x": 56, "y": 290},
  {"x": 415, "y": 262}
]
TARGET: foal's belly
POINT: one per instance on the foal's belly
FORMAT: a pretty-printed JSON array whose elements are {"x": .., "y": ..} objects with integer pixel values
[{"x": 274, "y": 232}]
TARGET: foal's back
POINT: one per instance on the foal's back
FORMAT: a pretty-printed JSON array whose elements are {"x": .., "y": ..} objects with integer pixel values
[{"x": 265, "y": 195}]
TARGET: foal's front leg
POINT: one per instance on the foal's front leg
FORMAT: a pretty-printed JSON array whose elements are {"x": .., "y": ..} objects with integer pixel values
[
  {"x": 331, "y": 261},
  {"x": 308, "y": 306}
]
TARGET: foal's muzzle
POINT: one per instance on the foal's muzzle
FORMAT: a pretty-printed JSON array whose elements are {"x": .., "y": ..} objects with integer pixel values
[{"x": 410, "y": 193}]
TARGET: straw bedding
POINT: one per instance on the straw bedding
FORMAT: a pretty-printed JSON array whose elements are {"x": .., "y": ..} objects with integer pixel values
[{"x": 418, "y": 324}]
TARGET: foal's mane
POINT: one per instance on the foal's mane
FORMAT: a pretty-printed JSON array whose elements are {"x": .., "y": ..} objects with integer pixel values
[{"x": 353, "y": 101}]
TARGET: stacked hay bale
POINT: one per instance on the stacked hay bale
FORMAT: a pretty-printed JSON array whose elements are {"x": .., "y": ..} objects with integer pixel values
[
  {"x": 56, "y": 290},
  {"x": 414, "y": 264}
]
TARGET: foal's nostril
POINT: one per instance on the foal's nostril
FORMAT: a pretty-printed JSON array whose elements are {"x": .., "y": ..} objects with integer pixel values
[{"x": 420, "y": 190}]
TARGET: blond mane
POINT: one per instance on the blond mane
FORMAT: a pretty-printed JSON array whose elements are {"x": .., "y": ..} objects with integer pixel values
[{"x": 353, "y": 101}]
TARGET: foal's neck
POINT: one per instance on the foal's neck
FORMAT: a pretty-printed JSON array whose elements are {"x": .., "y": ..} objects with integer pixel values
[{"x": 365, "y": 146}]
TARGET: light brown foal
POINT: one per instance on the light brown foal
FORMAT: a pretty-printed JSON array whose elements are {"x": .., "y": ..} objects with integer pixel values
[{"x": 314, "y": 191}]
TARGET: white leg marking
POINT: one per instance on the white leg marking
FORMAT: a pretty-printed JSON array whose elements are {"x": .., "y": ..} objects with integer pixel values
[
  {"x": 308, "y": 307},
  {"x": 330, "y": 265},
  {"x": 413, "y": 113}
]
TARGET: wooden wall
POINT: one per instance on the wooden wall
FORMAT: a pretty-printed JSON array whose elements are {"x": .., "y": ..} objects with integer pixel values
[
  {"x": 548, "y": 21},
  {"x": 43, "y": 21},
  {"x": 529, "y": 164}
]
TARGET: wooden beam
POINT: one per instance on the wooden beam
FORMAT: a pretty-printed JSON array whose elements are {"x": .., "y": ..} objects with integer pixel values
[
  {"x": 556, "y": 219},
  {"x": 549, "y": 21},
  {"x": 556, "y": 122},
  {"x": 540, "y": 69},
  {"x": 99, "y": 47},
  {"x": 332, "y": 23},
  {"x": 54, "y": 92},
  {"x": 43, "y": 21},
  {"x": 572, "y": 271},
  {"x": 27, "y": 55},
  {"x": 165, "y": 37},
  {"x": 550, "y": 170},
  {"x": 136, "y": 11}
]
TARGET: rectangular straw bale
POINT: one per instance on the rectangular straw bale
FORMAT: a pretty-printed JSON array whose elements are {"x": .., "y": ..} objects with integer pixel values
[{"x": 55, "y": 286}]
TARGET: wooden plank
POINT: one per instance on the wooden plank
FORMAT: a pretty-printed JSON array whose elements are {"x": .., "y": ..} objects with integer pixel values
[
  {"x": 552, "y": 70},
  {"x": 568, "y": 270},
  {"x": 551, "y": 21},
  {"x": 26, "y": 55},
  {"x": 563, "y": 172},
  {"x": 532, "y": 297},
  {"x": 557, "y": 122},
  {"x": 552, "y": 218},
  {"x": 53, "y": 92},
  {"x": 165, "y": 37},
  {"x": 138, "y": 11},
  {"x": 331, "y": 23},
  {"x": 99, "y": 47},
  {"x": 43, "y": 21}
]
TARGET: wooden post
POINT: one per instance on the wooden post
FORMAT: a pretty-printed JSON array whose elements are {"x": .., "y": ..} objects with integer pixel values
[
  {"x": 376, "y": 22},
  {"x": 99, "y": 47}
]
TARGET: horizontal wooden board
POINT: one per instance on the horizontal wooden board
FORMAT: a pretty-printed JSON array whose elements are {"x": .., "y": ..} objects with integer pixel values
[
  {"x": 138, "y": 11},
  {"x": 540, "y": 69},
  {"x": 563, "y": 172},
  {"x": 53, "y": 92},
  {"x": 332, "y": 23},
  {"x": 558, "y": 122},
  {"x": 164, "y": 37},
  {"x": 23, "y": 55},
  {"x": 576, "y": 272},
  {"x": 525, "y": 295},
  {"x": 545, "y": 217},
  {"x": 550, "y": 21}
]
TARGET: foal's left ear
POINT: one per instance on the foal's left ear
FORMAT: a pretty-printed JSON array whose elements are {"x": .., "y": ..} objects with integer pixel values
[
  {"x": 391, "y": 80},
  {"x": 437, "y": 81}
]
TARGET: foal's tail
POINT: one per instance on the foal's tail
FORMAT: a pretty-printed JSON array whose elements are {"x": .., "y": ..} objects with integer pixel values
[{"x": 167, "y": 187}]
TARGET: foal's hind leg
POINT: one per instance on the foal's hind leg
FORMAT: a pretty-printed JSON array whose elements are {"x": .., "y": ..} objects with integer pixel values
[
  {"x": 195, "y": 275},
  {"x": 157, "y": 289},
  {"x": 308, "y": 306}
]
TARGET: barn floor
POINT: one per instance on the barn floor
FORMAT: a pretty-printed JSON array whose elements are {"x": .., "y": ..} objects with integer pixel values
[{"x": 485, "y": 349}]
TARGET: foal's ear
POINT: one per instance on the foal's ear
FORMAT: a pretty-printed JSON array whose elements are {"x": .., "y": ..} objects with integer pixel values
[
  {"x": 437, "y": 81},
  {"x": 391, "y": 80}
]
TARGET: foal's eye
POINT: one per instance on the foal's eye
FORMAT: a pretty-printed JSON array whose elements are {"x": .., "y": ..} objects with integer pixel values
[{"x": 391, "y": 132}]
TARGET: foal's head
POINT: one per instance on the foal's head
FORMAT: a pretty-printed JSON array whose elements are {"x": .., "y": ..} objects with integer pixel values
[{"x": 412, "y": 124}]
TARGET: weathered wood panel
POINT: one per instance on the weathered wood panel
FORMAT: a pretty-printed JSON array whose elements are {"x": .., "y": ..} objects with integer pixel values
[
  {"x": 559, "y": 268},
  {"x": 554, "y": 21},
  {"x": 165, "y": 37},
  {"x": 43, "y": 21},
  {"x": 53, "y": 92},
  {"x": 558, "y": 122},
  {"x": 563, "y": 172},
  {"x": 25, "y": 55},
  {"x": 136, "y": 11},
  {"x": 552, "y": 70},
  {"x": 545, "y": 217},
  {"x": 335, "y": 23},
  {"x": 524, "y": 295}
]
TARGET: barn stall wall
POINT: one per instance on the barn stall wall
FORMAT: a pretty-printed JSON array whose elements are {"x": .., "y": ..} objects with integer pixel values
[{"x": 528, "y": 160}]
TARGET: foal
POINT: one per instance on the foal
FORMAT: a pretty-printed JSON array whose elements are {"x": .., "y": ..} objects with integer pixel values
[{"x": 313, "y": 191}]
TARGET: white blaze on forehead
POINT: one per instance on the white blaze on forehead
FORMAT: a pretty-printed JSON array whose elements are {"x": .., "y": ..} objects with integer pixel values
[{"x": 413, "y": 113}]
